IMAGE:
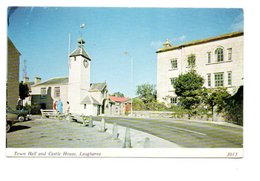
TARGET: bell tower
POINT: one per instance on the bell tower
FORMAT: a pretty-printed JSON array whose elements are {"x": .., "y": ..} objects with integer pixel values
[{"x": 79, "y": 77}]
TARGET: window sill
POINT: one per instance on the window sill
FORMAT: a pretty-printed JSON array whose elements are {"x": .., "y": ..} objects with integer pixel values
[
  {"x": 219, "y": 62},
  {"x": 173, "y": 69}
]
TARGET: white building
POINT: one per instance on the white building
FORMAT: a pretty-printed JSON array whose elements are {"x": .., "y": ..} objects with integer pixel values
[
  {"x": 83, "y": 97},
  {"x": 219, "y": 60}
]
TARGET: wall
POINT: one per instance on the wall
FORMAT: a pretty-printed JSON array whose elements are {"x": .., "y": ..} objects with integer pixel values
[
  {"x": 79, "y": 83},
  {"x": 49, "y": 98},
  {"x": 12, "y": 92}
]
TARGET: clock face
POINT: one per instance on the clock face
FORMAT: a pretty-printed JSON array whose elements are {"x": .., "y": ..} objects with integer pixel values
[{"x": 85, "y": 63}]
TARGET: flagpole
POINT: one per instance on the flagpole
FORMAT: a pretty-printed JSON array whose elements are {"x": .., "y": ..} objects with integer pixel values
[
  {"x": 69, "y": 51},
  {"x": 132, "y": 79}
]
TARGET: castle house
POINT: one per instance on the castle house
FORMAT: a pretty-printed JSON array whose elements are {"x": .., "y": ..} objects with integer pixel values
[{"x": 219, "y": 60}]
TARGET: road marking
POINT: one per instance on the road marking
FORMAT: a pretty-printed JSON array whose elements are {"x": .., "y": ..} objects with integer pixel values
[{"x": 182, "y": 129}]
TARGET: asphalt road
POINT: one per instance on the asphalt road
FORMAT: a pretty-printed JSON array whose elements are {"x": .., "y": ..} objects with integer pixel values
[{"x": 187, "y": 134}]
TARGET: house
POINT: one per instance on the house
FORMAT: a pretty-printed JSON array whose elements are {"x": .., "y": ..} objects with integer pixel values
[
  {"x": 119, "y": 105},
  {"x": 219, "y": 60},
  {"x": 12, "y": 85}
]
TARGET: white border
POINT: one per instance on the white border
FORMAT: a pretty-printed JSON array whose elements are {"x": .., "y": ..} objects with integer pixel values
[
  {"x": 150, "y": 169},
  {"x": 126, "y": 152}
]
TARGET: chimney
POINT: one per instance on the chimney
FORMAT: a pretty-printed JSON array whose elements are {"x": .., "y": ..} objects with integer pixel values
[
  {"x": 26, "y": 79},
  {"x": 37, "y": 80}
]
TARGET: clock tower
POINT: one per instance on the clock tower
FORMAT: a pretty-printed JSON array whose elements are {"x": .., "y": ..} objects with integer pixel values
[{"x": 79, "y": 77}]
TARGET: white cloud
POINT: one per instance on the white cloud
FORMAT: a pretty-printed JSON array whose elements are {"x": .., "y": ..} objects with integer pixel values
[
  {"x": 159, "y": 44},
  {"x": 180, "y": 38}
]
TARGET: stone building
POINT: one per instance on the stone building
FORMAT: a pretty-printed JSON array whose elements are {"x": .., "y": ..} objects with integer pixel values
[
  {"x": 12, "y": 87},
  {"x": 119, "y": 105},
  {"x": 219, "y": 60}
]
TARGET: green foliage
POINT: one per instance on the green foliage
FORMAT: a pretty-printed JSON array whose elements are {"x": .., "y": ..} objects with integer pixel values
[
  {"x": 139, "y": 105},
  {"x": 215, "y": 96},
  {"x": 234, "y": 107},
  {"x": 187, "y": 88},
  {"x": 146, "y": 92},
  {"x": 23, "y": 90},
  {"x": 118, "y": 94}
]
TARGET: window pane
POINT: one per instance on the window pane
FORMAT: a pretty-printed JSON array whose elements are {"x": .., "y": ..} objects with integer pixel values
[
  {"x": 219, "y": 54},
  {"x": 43, "y": 93},
  {"x": 219, "y": 79},
  {"x": 173, "y": 100},
  {"x": 209, "y": 80},
  {"x": 229, "y": 53},
  {"x": 209, "y": 57},
  {"x": 172, "y": 80},
  {"x": 57, "y": 92},
  {"x": 191, "y": 60},
  {"x": 174, "y": 64},
  {"x": 229, "y": 78}
]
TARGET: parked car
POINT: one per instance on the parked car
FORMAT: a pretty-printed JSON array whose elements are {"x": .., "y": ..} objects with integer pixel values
[
  {"x": 11, "y": 118},
  {"x": 21, "y": 115}
]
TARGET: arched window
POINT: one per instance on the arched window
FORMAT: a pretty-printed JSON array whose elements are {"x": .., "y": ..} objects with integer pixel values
[{"x": 219, "y": 54}]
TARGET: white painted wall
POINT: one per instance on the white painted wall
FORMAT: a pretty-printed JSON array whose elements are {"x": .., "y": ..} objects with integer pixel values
[
  {"x": 164, "y": 71},
  {"x": 79, "y": 83}
]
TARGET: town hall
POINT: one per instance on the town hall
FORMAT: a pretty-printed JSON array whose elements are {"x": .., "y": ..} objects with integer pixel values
[{"x": 76, "y": 92}]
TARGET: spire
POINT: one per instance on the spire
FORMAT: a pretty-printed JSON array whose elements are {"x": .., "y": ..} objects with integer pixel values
[{"x": 80, "y": 51}]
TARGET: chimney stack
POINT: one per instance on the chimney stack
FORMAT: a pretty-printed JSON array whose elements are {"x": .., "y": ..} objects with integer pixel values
[
  {"x": 37, "y": 80},
  {"x": 26, "y": 79}
]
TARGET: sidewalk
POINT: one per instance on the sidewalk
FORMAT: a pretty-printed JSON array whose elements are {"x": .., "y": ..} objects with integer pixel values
[
  {"x": 52, "y": 133},
  {"x": 181, "y": 119}
]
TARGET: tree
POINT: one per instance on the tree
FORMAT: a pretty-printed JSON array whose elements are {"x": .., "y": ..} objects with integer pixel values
[
  {"x": 146, "y": 92},
  {"x": 215, "y": 97},
  {"x": 234, "y": 107},
  {"x": 23, "y": 90},
  {"x": 187, "y": 87},
  {"x": 118, "y": 94}
]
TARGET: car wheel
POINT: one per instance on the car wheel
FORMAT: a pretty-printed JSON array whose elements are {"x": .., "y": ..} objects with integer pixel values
[
  {"x": 21, "y": 118},
  {"x": 8, "y": 126}
]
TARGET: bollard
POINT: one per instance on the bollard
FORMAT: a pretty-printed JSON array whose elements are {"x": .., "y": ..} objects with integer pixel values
[
  {"x": 147, "y": 142},
  {"x": 103, "y": 125},
  {"x": 90, "y": 124},
  {"x": 84, "y": 120},
  {"x": 115, "y": 131},
  {"x": 127, "y": 143}
]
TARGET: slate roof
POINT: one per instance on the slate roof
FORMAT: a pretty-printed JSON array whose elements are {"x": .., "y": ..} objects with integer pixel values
[
  {"x": 206, "y": 40},
  {"x": 80, "y": 51},
  {"x": 53, "y": 81},
  {"x": 97, "y": 87},
  {"x": 90, "y": 100}
]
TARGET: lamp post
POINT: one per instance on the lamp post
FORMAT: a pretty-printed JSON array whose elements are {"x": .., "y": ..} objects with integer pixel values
[{"x": 132, "y": 78}]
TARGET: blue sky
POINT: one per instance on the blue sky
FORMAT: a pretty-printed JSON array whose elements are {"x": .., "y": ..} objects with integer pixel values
[{"x": 41, "y": 35}]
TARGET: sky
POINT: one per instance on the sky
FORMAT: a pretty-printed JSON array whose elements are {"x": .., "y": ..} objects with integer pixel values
[{"x": 41, "y": 34}]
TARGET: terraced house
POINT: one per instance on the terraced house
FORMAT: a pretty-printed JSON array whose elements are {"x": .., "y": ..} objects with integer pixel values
[{"x": 219, "y": 60}]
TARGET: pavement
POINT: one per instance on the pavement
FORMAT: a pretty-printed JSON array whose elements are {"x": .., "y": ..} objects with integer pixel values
[{"x": 53, "y": 133}]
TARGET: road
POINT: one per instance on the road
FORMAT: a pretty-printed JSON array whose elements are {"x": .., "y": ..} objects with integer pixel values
[{"x": 187, "y": 134}]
